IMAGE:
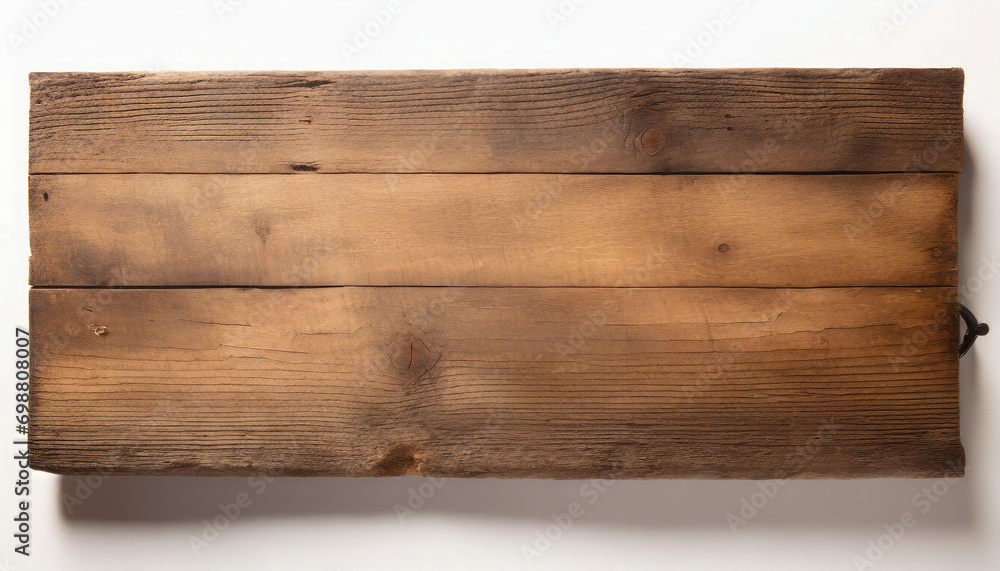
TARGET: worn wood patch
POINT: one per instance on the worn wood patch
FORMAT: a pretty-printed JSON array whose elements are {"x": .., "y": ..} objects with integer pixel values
[
  {"x": 493, "y": 230},
  {"x": 502, "y": 382},
  {"x": 595, "y": 121},
  {"x": 550, "y": 273}
]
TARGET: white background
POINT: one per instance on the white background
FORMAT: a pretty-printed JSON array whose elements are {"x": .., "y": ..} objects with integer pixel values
[{"x": 345, "y": 524}]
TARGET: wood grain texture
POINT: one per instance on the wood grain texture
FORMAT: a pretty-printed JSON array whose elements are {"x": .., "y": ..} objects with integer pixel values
[
  {"x": 493, "y": 230},
  {"x": 499, "y": 382},
  {"x": 593, "y": 121},
  {"x": 549, "y": 273}
]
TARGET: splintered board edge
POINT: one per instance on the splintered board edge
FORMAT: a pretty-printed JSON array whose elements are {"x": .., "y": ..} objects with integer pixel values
[
  {"x": 497, "y": 382},
  {"x": 554, "y": 121}
]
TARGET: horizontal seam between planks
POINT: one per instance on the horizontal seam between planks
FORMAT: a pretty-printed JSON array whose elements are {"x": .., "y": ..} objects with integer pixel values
[
  {"x": 631, "y": 173},
  {"x": 266, "y": 287}
]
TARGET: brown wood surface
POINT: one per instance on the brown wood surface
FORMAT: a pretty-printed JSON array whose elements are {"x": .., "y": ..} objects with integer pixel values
[
  {"x": 596, "y": 121},
  {"x": 500, "y": 382},
  {"x": 493, "y": 230},
  {"x": 559, "y": 274}
]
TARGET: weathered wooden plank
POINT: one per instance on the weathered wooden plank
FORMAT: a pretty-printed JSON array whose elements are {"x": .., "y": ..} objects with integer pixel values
[
  {"x": 502, "y": 382},
  {"x": 596, "y": 121},
  {"x": 686, "y": 376},
  {"x": 494, "y": 230}
]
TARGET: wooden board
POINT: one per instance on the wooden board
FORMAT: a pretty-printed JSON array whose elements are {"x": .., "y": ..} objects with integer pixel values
[
  {"x": 595, "y": 121},
  {"x": 502, "y": 382},
  {"x": 492, "y": 230},
  {"x": 555, "y": 274}
]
